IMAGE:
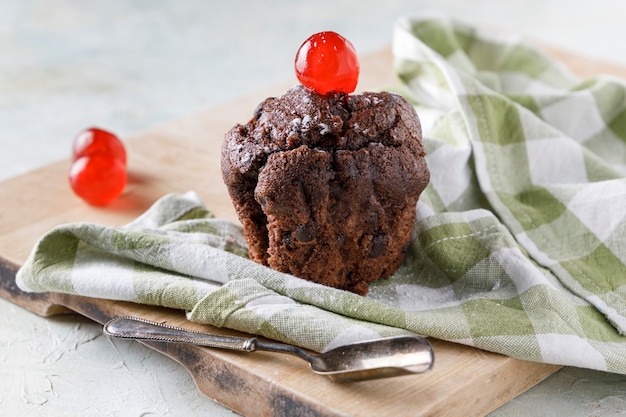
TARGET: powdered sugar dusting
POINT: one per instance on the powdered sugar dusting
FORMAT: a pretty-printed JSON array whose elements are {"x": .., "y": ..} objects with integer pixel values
[
  {"x": 306, "y": 121},
  {"x": 245, "y": 157}
]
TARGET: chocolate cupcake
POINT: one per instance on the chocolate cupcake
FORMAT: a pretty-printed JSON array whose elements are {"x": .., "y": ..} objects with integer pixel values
[{"x": 326, "y": 185}]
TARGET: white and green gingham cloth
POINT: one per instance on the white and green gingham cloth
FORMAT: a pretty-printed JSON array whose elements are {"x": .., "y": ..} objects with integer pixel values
[{"x": 520, "y": 243}]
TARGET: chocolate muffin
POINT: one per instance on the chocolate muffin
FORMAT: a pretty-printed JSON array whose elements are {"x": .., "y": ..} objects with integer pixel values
[{"x": 326, "y": 185}]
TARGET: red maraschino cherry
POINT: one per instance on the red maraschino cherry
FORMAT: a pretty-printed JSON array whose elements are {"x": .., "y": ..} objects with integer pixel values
[
  {"x": 98, "y": 178},
  {"x": 94, "y": 140},
  {"x": 327, "y": 62}
]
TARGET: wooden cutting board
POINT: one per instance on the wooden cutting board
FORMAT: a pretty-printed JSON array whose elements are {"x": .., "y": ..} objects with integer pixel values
[{"x": 184, "y": 155}]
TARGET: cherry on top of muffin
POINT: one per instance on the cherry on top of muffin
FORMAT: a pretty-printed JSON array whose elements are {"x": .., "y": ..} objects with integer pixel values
[{"x": 327, "y": 62}]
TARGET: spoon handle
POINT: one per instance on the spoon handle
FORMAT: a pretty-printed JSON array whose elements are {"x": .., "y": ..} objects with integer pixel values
[{"x": 142, "y": 329}]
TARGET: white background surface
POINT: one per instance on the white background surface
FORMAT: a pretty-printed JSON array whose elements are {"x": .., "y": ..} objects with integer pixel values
[{"x": 129, "y": 65}]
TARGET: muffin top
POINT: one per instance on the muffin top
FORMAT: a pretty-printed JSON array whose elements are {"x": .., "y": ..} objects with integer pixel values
[{"x": 332, "y": 122}]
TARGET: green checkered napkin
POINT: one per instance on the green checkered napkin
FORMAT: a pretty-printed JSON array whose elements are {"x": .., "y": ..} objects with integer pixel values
[{"x": 520, "y": 245}]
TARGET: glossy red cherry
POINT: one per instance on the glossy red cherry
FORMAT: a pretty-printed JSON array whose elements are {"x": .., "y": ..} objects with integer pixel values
[
  {"x": 95, "y": 140},
  {"x": 327, "y": 62},
  {"x": 98, "y": 178}
]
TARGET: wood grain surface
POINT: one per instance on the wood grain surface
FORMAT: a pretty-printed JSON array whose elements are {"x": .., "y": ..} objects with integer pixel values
[{"x": 184, "y": 155}]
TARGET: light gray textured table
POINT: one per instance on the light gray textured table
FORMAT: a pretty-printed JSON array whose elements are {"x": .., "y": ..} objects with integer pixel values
[{"x": 129, "y": 65}]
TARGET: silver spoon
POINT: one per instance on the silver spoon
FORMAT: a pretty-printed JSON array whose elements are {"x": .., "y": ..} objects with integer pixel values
[{"x": 380, "y": 358}]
